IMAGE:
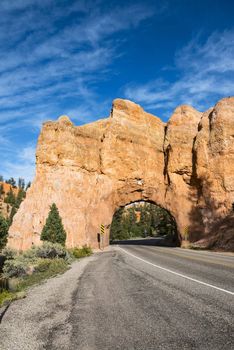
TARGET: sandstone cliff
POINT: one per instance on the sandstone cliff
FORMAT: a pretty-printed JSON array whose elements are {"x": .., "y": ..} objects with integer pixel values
[
  {"x": 89, "y": 171},
  {"x": 5, "y": 208}
]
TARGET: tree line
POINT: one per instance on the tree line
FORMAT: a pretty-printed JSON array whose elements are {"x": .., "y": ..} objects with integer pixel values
[
  {"x": 53, "y": 230},
  {"x": 141, "y": 220},
  {"x": 12, "y": 182},
  {"x": 13, "y": 199}
]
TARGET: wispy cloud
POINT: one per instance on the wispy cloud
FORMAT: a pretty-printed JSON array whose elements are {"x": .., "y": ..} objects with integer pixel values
[
  {"x": 52, "y": 55},
  {"x": 49, "y": 56},
  {"x": 25, "y": 165},
  {"x": 205, "y": 73}
]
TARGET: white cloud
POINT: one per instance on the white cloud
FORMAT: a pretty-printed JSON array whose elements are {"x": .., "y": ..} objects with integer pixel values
[
  {"x": 206, "y": 74},
  {"x": 21, "y": 164},
  {"x": 27, "y": 154},
  {"x": 40, "y": 61},
  {"x": 51, "y": 56}
]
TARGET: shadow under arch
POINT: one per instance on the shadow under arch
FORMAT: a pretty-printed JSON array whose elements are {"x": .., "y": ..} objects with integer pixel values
[{"x": 173, "y": 240}]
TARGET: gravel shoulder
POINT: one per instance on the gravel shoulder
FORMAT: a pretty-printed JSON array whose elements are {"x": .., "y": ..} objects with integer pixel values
[{"x": 28, "y": 323}]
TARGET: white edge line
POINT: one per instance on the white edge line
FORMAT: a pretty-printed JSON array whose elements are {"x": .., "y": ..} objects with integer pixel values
[{"x": 178, "y": 274}]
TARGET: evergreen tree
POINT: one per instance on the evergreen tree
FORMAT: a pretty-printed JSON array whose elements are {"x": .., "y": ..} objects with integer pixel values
[
  {"x": 12, "y": 213},
  {"x": 11, "y": 182},
  {"x": 28, "y": 185},
  {"x": 1, "y": 190},
  {"x": 116, "y": 231},
  {"x": 132, "y": 228},
  {"x": 3, "y": 232},
  {"x": 1, "y": 178},
  {"x": 21, "y": 183},
  {"x": 10, "y": 198},
  {"x": 20, "y": 197},
  {"x": 154, "y": 221},
  {"x": 145, "y": 221},
  {"x": 53, "y": 231},
  {"x": 14, "y": 201}
]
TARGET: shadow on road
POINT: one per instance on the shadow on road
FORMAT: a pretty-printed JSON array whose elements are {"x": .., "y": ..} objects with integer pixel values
[{"x": 159, "y": 241}]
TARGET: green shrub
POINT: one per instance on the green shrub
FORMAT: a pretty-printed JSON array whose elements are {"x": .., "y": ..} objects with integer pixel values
[
  {"x": 9, "y": 253},
  {"x": 51, "y": 251},
  {"x": 30, "y": 255},
  {"x": 31, "y": 260},
  {"x": 21, "y": 264},
  {"x": 16, "y": 267},
  {"x": 6, "y": 297},
  {"x": 42, "y": 271},
  {"x": 87, "y": 250},
  {"x": 28, "y": 271},
  {"x": 3, "y": 231},
  {"x": 57, "y": 266},
  {"x": 81, "y": 252},
  {"x": 43, "y": 265}
]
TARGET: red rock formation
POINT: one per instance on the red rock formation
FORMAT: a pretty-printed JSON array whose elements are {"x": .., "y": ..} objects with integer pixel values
[
  {"x": 89, "y": 171},
  {"x": 5, "y": 208}
]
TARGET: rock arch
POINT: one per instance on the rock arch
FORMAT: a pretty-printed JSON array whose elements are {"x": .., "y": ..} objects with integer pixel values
[{"x": 185, "y": 166}]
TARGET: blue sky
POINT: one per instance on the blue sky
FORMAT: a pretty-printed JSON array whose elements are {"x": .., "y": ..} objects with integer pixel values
[{"x": 74, "y": 57}]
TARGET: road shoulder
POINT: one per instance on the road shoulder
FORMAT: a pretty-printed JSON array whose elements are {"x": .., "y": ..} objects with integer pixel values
[{"x": 27, "y": 322}]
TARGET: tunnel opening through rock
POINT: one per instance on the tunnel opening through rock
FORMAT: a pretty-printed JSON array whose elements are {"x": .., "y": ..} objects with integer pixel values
[
  {"x": 144, "y": 220},
  {"x": 90, "y": 170}
]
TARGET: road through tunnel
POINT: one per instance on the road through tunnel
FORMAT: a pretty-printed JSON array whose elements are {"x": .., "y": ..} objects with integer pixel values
[{"x": 144, "y": 222}]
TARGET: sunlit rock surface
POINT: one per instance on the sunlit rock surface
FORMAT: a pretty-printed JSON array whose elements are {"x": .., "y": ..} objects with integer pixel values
[{"x": 185, "y": 166}]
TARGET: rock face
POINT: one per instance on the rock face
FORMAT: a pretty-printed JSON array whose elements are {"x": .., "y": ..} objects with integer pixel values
[
  {"x": 5, "y": 208},
  {"x": 185, "y": 166}
]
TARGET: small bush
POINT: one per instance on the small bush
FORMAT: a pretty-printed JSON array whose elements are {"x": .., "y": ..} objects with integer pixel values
[
  {"x": 6, "y": 297},
  {"x": 81, "y": 252},
  {"x": 57, "y": 266},
  {"x": 43, "y": 265},
  {"x": 45, "y": 268},
  {"x": 30, "y": 255},
  {"x": 16, "y": 267},
  {"x": 31, "y": 260},
  {"x": 21, "y": 264},
  {"x": 51, "y": 251},
  {"x": 28, "y": 275},
  {"x": 87, "y": 250},
  {"x": 9, "y": 253}
]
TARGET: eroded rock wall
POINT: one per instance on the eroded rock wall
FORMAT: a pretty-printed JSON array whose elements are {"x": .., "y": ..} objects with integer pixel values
[
  {"x": 214, "y": 162},
  {"x": 89, "y": 171},
  {"x": 180, "y": 135}
]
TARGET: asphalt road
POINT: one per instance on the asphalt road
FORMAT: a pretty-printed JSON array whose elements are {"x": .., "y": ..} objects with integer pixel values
[{"x": 129, "y": 297}]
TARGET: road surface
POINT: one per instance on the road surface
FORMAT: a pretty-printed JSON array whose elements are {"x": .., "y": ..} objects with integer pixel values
[{"x": 132, "y": 296}]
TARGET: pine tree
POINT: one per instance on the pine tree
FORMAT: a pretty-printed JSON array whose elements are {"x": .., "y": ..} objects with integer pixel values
[
  {"x": 3, "y": 231},
  {"x": 53, "y": 231},
  {"x": 20, "y": 197},
  {"x": 12, "y": 214},
  {"x": 28, "y": 186},
  {"x": 10, "y": 198},
  {"x": 11, "y": 182},
  {"x": 116, "y": 231},
  {"x": 21, "y": 183},
  {"x": 1, "y": 190}
]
